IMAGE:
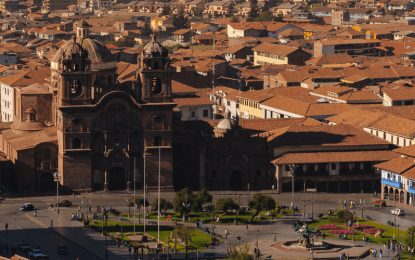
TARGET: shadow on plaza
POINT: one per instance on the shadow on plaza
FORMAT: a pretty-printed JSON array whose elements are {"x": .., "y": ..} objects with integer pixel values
[{"x": 48, "y": 240}]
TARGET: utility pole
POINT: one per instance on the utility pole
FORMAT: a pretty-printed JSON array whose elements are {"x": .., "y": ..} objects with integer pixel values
[
  {"x": 292, "y": 169},
  {"x": 158, "y": 215},
  {"x": 134, "y": 196},
  {"x": 57, "y": 178},
  {"x": 361, "y": 203},
  {"x": 312, "y": 205},
  {"x": 144, "y": 192}
]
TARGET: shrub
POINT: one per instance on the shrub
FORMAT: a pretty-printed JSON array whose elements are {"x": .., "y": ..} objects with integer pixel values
[
  {"x": 344, "y": 215},
  {"x": 342, "y": 231},
  {"x": 241, "y": 211},
  {"x": 355, "y": 226},
  {"x": 327, "y": 227}
]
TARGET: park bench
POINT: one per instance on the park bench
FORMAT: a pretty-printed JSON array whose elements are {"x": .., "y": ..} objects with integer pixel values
[
  {"x": 174, "y": 219},
  {"x": 152, "y": 223},
  {"x": 389, "y": 223},
  {"x": 367, "y": 217},
  {"x": 112, "y": 236},
  {"x": 218, "y": 235},
  {"x": 369, "y": 240},
  {"x": 343, "y": 236}
]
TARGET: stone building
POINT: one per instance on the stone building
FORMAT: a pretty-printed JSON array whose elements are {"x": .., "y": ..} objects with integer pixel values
[{"x": 98, "y": 127}]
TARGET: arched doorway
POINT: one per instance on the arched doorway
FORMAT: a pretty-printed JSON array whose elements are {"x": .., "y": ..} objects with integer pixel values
[
  {"x": 385, "y": 192},
  {"x": 298, "y": 185},
  {"x": 46, "y": 181},
  {"x": 117, "y": 179},
  {"x": 179, "y": 179},
  {"x": 236, "y": 179}
]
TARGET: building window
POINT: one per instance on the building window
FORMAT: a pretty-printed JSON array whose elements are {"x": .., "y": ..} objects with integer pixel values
[
  {"x": 333, "y": 166},
  {"x": 157, "y": 141},
  {"x": 76, "y": 143},
  {"x": 214, "y": 174},
  {"x": 287, "y": 168},
  {"x": 193, "y": 114},
  {"x": 206, "y": 113},
  {"x": 46, "y": 155},
  {"x": 76, "y": 121}
]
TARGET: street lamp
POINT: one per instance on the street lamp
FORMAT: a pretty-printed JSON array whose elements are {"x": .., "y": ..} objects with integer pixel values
[
  {"x": 106, "y": 227},
  {"x": 312, "y": 205},
  {"x": 305, "y": 203},
  {"x": 292, "y": 169},
  {"x": 57, "y": 178}
]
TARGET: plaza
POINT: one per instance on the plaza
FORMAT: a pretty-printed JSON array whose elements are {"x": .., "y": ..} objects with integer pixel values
[{"x": 85, "y": 243}]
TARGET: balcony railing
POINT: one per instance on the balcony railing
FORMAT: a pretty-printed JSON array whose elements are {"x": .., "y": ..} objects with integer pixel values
[{"x": 392, "y": 183}]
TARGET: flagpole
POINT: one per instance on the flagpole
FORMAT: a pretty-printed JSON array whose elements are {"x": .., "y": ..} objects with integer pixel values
[
  {"x": 134, "y": 196},
  {"x": 144, "y": 192},
  {"x": 158, "y": 231}
]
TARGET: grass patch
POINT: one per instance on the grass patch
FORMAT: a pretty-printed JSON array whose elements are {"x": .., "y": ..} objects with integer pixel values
[
  {"x": 386, "y": 236},
  {"x": 198, "y": 241}
]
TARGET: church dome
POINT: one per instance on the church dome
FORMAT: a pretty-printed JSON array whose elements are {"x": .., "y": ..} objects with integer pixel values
[
  {"x": 225, "y": 124},
  {"x": 97, "y": 52},
  {"x": 154, "y": 47}
]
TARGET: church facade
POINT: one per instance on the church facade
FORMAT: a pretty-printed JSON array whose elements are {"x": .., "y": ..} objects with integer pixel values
[{"x": 101, "y": 129}]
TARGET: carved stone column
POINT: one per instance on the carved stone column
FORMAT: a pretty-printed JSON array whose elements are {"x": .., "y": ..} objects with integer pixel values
[
  {"x": 105, "y": 141},
  {"x": 106, "y": 184}
]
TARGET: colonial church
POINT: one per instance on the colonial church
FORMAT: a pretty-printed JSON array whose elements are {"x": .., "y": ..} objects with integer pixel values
[{"x": 98, "y": 129}]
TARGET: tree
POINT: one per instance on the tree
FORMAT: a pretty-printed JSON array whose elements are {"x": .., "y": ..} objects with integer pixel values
[
  {"x": 242, "y": 254},
  {"x": 183, "y": 201},
  {"x": 138, "y": 200},
  {"x": 260, "y": 202},
  {"x": 265, "y": 16},
  {"x": 164, "y": 205},
  {"x": 234, "y": 19},
  {"x": 409, "y": 233},
  {"x": 186, "y": 233},
  {"x": 203, "y": 196},
  {"x": 166, "y": 9},
  {"x": 231, "y": 9},
  {"x": 146, "y": 29},
  {"x": 180, "y": 22},
  {"x": 254, "y": 10},
  {"x": 225, "y": 204}
]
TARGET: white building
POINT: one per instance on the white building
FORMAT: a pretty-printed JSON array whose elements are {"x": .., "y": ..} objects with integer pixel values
[
  {"x": 6, "y": 102},
  {"x": 8, "y": 58}
]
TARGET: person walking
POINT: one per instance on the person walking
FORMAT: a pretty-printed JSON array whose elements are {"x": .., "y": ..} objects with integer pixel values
[
  {"x": 246, "y": 228},
  {"x": 380, "y": 253},
  {"x": 14, "y": 215},
  {"x": 341, "y": 256},
  {"x": 34, "y": 213},
  {"x": 6, "y": 226},
  {"x": 273, "y": 187},
  {"x": 226, "y": 233}
]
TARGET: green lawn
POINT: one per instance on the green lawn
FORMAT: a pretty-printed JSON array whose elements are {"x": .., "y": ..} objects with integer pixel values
[
  {"x": 386, "y": 236},
  {"x": 198, "y": 241}
]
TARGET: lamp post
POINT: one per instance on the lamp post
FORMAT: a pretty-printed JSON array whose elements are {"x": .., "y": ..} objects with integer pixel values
[
  {"x": 398, "y": 234},
  {"x": 257, "y": 243},
  {"x": 362, "y": 203},
  {"x": 305, "y": 203},
  {"x": 57, "y": 178},
  {"x": 292, "y": 169},
  {"x": 412, "y": 238},
  {"x": 312, "y": 205},
  {"x": 106, "y": 227}
]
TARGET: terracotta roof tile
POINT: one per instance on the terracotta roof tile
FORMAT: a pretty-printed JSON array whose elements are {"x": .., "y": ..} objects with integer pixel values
[
  {"x": 275, "y": 49},
  {"x": 331, "y": 157},
  {"x": 398, "y": 165}
]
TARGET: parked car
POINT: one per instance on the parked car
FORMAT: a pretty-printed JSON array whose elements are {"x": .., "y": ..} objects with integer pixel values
[
  {"x": 379, "y": 203},
  {"x": 398, "y": 212},
  {"x": 27, "y": 207},
  {"x": 63, "y": 250},
  {"x": 35, "y": 253},
  {"x": 63, "y": 203},
  {"x": 24, "y": 246}
]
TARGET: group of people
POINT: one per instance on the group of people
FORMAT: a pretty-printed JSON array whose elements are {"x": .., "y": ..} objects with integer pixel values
[
  {"x": 351, "y": 204},
  {"x": 374, "y": 252},
  {"x": 75, "y": 217}
]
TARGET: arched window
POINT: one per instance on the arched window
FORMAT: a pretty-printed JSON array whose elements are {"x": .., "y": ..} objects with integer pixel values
[
  {"x": 76, "y": 143},
  {"x": 258, "y": 173},
  {"x": 117, "y": 136},
  {"x": 76, "y": 88},
  {"x": 46, "y": 155},
  {"x": 96, "y": 136},
  {"x": 75, "y": 67},
  {"x": 76, "y": 121},
  {"x": 157, "y": 141},
  {"x": 97, "y": 86},
  {"x": 156, "y": 65},
  {"x": 156, "y": 88}
]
